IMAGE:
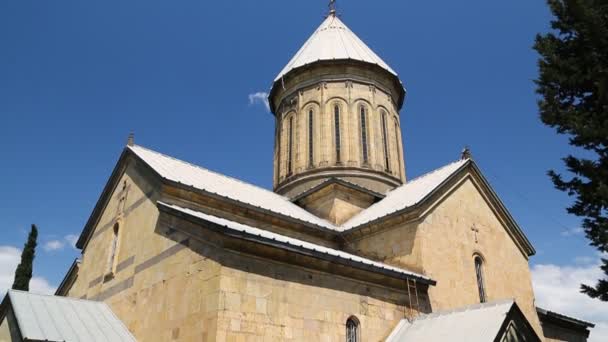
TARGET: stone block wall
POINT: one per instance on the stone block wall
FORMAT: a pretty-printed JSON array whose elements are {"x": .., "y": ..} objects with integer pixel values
[{"x": 442, "y": 245}]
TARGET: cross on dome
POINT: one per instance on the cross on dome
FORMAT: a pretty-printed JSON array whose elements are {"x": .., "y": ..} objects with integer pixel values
[{"x": 332, "y": 7}]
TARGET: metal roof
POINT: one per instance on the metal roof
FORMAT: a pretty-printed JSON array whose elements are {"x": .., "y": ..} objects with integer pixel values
[
  {"x": 289, "y": 241},
  {"x": 478, "y": 323},
  {"x": 200, "y": 178},
  {"x": 407, "y": 195},
  {"x": 333, "y": 40},
  {"x": 57, "y": 319}
]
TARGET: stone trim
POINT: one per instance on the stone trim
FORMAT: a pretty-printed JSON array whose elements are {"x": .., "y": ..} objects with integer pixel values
[
  {"x": 123, "y": 285},
  {"x": 162, "y": 256},
  {"x": 125, "y": 263},
  {"x": 96, "y": 281}
]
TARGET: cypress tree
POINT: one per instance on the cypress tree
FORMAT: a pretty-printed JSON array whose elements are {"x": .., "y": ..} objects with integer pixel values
[
  {"x": 573, "y": 85},
  {"x": 23, "y": 273}
]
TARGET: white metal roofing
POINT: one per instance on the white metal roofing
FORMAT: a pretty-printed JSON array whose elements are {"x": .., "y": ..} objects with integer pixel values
[
  {"x": 200, "y": 178},
  {"x": 231, "y": 225},
  {"x": 407, "y": 195},
  {"x": 479, "y": 323},
  {"x": 56, "y": 319},
  {"x": 333, "y": 40}
]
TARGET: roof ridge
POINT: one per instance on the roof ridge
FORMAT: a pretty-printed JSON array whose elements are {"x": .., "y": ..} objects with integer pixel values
[
  {"x": 208, "y": 170},
  {"x": 56, "y": 297},
  {"x": 466, "y": 308},
  {"x": 434, "y": 171}
]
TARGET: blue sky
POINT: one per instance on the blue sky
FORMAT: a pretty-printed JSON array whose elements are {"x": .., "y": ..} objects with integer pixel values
[{"x": 76, "y": 77}]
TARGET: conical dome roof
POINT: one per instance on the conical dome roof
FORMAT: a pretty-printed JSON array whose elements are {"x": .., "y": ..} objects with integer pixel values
[{"x": 333, "y": 40}]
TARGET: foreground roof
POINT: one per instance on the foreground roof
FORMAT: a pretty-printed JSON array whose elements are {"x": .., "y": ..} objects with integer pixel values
[
  {"x": 57, "y": 319},
  {"x": 333, "y": 40},
  {"x": 478, "y": 323},
  {"x": 294, "y": 244}
]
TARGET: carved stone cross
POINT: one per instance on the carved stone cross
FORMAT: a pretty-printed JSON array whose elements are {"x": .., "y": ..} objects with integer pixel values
[
  {"x": 476, "y": 231},
  {"x": 122, "y": 199}
]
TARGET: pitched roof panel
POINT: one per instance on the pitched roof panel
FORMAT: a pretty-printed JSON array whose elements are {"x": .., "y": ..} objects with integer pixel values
[
  {"x": 407, "y": 195},
  {"x": 57, "y": 319},
  {"x": 478, "y": 323},
  {"x": 200, "y": 178}
]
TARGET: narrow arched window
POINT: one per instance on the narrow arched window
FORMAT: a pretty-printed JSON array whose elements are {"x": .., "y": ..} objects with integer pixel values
[
  {"x": 387, "y": 166},
  {"x": 290, "y": 145},
  {"x": 113, "y": 249},
  {"x": 311, "y": 137},
  {"x": 397, "y": 146},
  {"x": 337, "y": 131},
  {"x": 363, "y": 115},
  {"x": 352, "y": 330},
  {"x": 479, "y": 275}
]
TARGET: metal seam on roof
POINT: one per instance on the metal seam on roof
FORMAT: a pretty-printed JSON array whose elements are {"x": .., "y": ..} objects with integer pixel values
[{"x": 82, "y": 324}]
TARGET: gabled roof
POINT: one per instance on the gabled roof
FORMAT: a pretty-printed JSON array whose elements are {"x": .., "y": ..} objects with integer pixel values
[
  {"x": 333, "y": 40},
  {"x": 478, "y": 323},
  {"x": 322, "y": 252},
  {"x": 58, "y": 319},
  {"x": 403, "y": 198},
  {"x": 407, "y": 195},
  {"x": 202, "y": 179}
]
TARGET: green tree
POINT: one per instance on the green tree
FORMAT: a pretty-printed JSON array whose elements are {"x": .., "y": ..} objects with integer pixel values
[
  {"x": 23, "y": 273},
  {"x": 573, "y": 84}
]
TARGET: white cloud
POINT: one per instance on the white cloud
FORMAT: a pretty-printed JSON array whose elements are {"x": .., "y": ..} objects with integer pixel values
[
  {"x": 53, "y": 245},
  {"x": 9, "y": 259},
  {"x": 259, "y": 98},
  {"x": 557, "y": 288},
  {"x": 572, "y": 232},
  {"x": 71, "y": 239},
  {"x": 59, "y": 244}
]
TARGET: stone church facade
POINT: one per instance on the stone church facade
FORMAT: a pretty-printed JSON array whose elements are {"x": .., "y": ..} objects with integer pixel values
[{"x": 345, "y": 248}]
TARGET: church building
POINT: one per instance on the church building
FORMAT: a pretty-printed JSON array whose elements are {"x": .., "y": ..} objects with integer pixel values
[{"x": 344, "y": 248}]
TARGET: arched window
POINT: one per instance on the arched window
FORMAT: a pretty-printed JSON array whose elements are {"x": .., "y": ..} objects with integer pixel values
[
  {"x": 352, "y": 330},
  {"x": 113, "y": 249},
  {"x": 364, "y": 135},
  {"x": 397, "y": 146},
  {"x": 311, "y": 137},
  {"x": 387, "y": 165},
  {"x": 290, "y": 146},
  {"x": 337, "y": 131},
  {"x": 479, "y": 275}
]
